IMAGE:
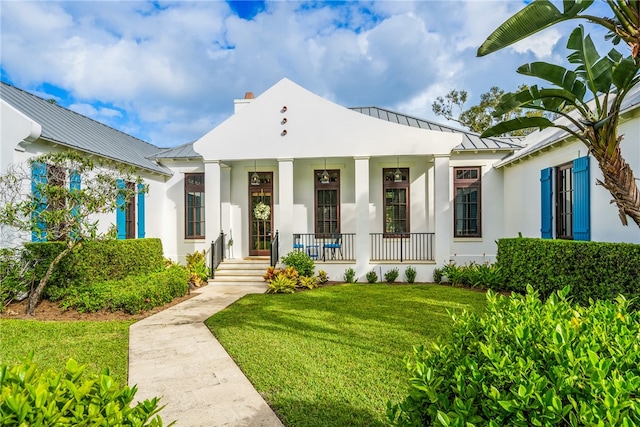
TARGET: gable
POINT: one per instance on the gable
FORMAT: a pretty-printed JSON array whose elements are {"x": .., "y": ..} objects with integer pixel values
[{"x": 288, "y": 121}]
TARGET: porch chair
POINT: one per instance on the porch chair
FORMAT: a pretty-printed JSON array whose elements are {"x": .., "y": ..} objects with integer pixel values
[
  {"x": 297, "y": 244},
  {"x": 335, "y": 244}
]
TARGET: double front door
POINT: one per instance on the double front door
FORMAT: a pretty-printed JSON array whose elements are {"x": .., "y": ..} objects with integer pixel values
[{"x": 260, "y": 213}]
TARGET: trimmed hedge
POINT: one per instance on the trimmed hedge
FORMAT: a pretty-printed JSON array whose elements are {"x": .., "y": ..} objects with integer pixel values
[
  {"x": 131, "y": 294},
  {"x": 97, "y": 260},
  {"x": 593, "y": 270}
]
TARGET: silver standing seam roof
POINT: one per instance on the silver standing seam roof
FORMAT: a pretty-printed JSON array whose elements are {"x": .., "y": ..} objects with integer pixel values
[
  {"x": 184, "y": 151},
  {"x": 470, "y": 140},
  {"x": 70, "y": 129}
]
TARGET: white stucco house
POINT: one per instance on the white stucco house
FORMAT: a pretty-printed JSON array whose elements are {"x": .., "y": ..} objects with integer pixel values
[{"x": 352, "y": 187}]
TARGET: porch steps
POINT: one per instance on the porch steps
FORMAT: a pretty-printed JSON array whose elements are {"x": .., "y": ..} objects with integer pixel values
[{"x": 248, "y": 271}]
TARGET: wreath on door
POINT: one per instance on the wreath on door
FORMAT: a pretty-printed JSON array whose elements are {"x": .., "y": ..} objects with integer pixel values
[{"x": 261, "y": 212}]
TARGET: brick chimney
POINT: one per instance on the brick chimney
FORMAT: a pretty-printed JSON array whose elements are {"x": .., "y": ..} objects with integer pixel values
[{"x": 239, "y": 104}]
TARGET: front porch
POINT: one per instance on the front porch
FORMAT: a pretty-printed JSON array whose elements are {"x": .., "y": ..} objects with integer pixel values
[{"x": 401, "y": 247}]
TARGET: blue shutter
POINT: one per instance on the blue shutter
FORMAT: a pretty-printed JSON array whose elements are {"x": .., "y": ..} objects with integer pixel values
[
  {"x": 38, "y": 178},
  {"x": 121, "y": 212},
  {"x": 581, "y": 200},
  {"x": 74, "y": 185},
  {"x": 546, "y": 203},
  {"x": 141, "y": 231}
]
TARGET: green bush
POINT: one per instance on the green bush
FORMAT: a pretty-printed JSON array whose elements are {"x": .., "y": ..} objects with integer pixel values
[
  {"x": 15, "y": 276},
  {"x": 35, "y": 397},
  {"x": 131, "y": 294},
  {"x": 197, "y": 268},
  {"x": 282, "y": 284},
  {"x": 96, "y": 260},
  {"x": 308, "y": 282},
  {"x": 593, "y": 270},
  {"x": 527, "y": 363},
  {"x": 410, "y": 274},
  {"x": 437, "y": 275},
  {"x": 484, "y": 276},
  {"x": 350, "y": 275},
  {"x": 301, "y": 262},
  {"x": 372, "y": 277},
  {"x": 391, "y": 275},
  {"x": 322, "y": 277}
]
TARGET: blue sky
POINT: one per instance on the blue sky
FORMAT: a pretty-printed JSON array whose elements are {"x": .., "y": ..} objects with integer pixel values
[{"x": 167, "y": 72}]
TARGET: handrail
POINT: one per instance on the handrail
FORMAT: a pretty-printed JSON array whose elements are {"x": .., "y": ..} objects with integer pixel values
[
  {"x": 217, "y": 253},
  {"x": 275, "y": 250}
]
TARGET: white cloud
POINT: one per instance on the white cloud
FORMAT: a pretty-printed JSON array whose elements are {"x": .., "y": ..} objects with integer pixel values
[
  {"x": 541, "y": 45},
  {"x": 174, "y": 68}
]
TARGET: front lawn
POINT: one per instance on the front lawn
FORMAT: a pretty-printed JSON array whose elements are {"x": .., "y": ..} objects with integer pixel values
[
  {"x": 96, "y": 344},
  {"x": 334, "y": 356}
]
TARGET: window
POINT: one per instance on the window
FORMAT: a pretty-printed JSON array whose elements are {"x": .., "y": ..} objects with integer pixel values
[
  {"x": 130, "y": 212},
  {"x": 564, "y": 201},
  {"x": 396, "y": 201},
  {"x": 467, "y": 192},
  {"x": 194, "y": 205},
  {"x": 327, "y": 203},
  {"x": 45, "y": 182},
  {"x": 565, "y": 192},
  {"x": 56, "y": 177}
]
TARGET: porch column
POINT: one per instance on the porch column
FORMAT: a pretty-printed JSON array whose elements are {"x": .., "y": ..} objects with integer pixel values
[
  {"x": 362, "y": 249},
  {"x": 225, "y": 202},
  {"x": 212, "y": 199},
  {"x": 284, "y": 220},
  {"x": 443, "y": 226}
]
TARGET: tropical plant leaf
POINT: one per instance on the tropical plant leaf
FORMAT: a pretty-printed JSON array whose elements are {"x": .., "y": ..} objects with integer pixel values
[
  {"x": 533, "y": 18},
  {"x": 593, "y": 69},
  {"x": 536, "y": 98},
  {"x": 624, "y": 73},
  {"x": 517, "y": 124},
  {"x": 557, "y": 75}
]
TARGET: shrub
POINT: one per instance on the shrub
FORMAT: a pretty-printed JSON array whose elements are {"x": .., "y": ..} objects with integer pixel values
[
  {"x": 16, "y": 276},
  {"x": 35, "y": 397},
  {"x": 350, "y": 275},
  {"x": 270, "y": 274},
  {"x": 410, "y": 274},
  {"x": 197, "y": 268},
  {"x": 322, "y": 277},
  {"x": 282, "y": 285},
  {"x": 96, "y": 260},
  {"x": 131, "y": 295},
  {"x": 308, "y": 282},
  {"x": 437, "y": 275},
  {"x": 525, "y": 362},
  {"x": 372, "y": 277},
  {"x": 485, "y": 276},
  {"x": 594, "y": 270},
  {"x": 301, "y": 262},
  {"x": 391, "y": 275}
]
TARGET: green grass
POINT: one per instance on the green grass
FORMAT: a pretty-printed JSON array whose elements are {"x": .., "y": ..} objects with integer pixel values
[
  {"x": 334, "y": 356},
  {"x": 95, "y": 344}
]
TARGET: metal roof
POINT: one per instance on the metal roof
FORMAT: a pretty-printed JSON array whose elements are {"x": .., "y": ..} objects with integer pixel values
[
  {"x": 184, "y": 151},
  {"x": 541, "y": 139},
  {"x": 73, "y": 130},
  {"x": 470, "y": 140}
]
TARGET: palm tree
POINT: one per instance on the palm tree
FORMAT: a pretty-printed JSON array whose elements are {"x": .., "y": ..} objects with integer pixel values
[
  {"x": 541, "y": 14},
  {"x": 589, "y": 97}
]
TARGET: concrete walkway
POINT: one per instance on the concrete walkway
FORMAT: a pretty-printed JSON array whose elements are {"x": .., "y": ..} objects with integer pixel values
[{"x": 172, "y": 354}]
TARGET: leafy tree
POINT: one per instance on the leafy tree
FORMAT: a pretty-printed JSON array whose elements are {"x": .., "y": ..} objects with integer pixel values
[
  {"x": 57, "y": 196},
  {"x": 481, "y": 116},
  {"x": 596, "y": 88}
]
